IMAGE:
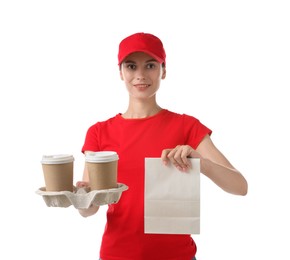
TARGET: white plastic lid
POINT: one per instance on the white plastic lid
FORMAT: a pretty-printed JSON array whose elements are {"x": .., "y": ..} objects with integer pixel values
[
  {"x": 101, "y": 157},
  {"x": 57, "y": 159}
]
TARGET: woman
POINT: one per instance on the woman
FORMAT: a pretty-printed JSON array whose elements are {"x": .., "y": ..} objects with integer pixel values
[{"x": 147, "y": 130}]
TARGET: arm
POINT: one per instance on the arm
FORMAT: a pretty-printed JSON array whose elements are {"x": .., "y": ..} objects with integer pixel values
[
  {"x": 213, "y": 164},
  {"x": 92, "y": 209}
]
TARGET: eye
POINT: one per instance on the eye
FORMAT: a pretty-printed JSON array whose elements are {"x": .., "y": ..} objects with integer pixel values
[
  {"x": 150, "y": 66},
  {"x": 131, "y": 66}
]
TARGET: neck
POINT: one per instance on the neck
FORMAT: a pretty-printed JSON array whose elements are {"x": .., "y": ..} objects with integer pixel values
[{"x": 140, "y": 110}]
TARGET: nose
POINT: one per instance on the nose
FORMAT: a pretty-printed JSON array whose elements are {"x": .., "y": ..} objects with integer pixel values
[{"x": 140, "y": 74}]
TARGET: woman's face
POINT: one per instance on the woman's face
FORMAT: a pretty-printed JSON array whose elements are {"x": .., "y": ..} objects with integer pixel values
[{"x": 142, "y": 75}]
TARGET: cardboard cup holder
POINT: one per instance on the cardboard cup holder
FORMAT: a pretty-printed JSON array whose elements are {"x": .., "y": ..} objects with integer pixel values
[{"x": 82, "y": 198}]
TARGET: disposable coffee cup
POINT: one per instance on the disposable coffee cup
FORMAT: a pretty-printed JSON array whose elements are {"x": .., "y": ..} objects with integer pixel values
[
  {"x": 58, "y": 172},
  {"x": 102, "y": 168}
]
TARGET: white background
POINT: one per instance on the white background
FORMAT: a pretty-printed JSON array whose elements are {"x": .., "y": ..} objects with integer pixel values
[{"x": 227, "y": 64}]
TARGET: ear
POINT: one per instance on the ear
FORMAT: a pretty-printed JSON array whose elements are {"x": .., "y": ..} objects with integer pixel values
[
  {"x": 163, "y": 76},
  {"x": 121, "y": 74}
]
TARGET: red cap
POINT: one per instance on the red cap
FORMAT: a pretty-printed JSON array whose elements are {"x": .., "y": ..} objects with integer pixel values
[{"x": 142, "y": 42}]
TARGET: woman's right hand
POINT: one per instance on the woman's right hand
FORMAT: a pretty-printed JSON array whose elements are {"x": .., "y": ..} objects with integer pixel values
[
  {"x": 92, "y": 209},
  {"x": 82, "y": 184}
]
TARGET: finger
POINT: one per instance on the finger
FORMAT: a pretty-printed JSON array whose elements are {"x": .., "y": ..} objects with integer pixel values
[
  {"x": 175, "y": 157},
  {"x": 164, "y": 155},
  {"x": 184, "y": 156},
  {"x": 179, "y": 157},
  {"x": 82, "y": 184}
]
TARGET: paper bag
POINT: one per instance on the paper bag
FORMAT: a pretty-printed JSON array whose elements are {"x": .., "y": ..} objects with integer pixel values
[{"x": 172, "y": 198}]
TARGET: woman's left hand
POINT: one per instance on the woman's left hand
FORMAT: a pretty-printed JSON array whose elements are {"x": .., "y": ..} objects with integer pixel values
[{"x": 178, "y": 156}]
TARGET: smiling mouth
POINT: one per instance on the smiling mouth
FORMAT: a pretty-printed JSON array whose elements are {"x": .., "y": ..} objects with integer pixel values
[{"x": 141, "y": 86}]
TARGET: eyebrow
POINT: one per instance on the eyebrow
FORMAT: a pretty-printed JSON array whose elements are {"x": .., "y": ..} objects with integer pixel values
[{"x": 130, "y": 61}]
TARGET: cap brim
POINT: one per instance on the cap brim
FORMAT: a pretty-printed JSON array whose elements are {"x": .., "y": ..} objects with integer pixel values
[{"x": 160, "y": 60}]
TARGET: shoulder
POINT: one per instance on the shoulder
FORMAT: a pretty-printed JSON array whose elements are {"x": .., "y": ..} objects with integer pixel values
[
  {"x": 183, "y": 117},
  {"x": 190, "y": 122},
  {"x": 104, "y": 123}
]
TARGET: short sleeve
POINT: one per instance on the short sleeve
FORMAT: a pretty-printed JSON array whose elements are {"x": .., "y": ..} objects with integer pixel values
[
  {"x": 92, "y": 138},
  {"x": 194, "y": 131}
]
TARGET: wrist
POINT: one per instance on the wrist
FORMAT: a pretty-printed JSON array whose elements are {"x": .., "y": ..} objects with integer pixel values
[{"x": 204, "y": 165}]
